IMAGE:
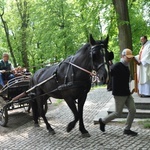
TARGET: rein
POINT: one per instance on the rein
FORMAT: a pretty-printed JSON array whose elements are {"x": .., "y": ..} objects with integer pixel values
[
  {"x": 91, "y": 73},
  {"x": 105, "y": 63}
]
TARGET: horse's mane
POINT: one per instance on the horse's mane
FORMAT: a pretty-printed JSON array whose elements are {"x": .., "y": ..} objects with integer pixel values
[
  {"x": 86, "y": 46},
  {"x": 83, "y": 48}
]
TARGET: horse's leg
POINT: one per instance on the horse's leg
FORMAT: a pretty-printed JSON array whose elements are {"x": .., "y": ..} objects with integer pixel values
[
  {"x": 35, "y": 112},
  {"x": 42, "y": 114},
  {"x": 29, "y": 107},
  {"x": 71, "y": 103},
  {"x": 81, "y": 102}
]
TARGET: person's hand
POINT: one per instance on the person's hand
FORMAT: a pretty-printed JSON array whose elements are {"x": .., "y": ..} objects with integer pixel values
[
  {"x": 2, "y": 71},
  {"x": 13, "y": 71},
  {"x": 132, "y": 91},
  {"x": 136, "y": 61},
  {"x": 139, "y": 63}
]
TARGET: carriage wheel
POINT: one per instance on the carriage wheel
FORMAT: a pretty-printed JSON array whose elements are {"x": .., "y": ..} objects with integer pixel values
[
  {"x": 3, "y": 113},
  {"x": 3, "y": 117}
]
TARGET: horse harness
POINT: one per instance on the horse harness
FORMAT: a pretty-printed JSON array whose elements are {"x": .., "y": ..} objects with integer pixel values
[{"x": 72, "y": 83}]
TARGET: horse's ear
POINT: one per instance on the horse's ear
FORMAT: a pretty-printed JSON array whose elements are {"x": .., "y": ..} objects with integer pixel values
[
  {"x": 91, "y": 40},
  {"x": 106, "y": 40}
]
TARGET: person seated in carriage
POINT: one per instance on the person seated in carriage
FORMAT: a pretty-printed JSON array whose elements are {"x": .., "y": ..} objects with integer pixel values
[
  {"x": 19, "y": 71},
  {"x": 6, "y": 69}
]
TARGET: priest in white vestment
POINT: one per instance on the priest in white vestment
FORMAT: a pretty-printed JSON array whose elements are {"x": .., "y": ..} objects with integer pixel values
[{"x": 143, "y": 70}]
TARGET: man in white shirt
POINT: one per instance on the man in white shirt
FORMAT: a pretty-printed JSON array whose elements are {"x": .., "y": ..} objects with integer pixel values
[{"x": 144, "y": 67}]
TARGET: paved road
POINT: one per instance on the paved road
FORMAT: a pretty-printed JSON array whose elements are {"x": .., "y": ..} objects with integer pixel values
[{"x": 21, "y": 135}]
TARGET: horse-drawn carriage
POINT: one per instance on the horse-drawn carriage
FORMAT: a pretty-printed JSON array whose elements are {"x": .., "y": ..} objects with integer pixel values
[{"x": 13, "y": 88}]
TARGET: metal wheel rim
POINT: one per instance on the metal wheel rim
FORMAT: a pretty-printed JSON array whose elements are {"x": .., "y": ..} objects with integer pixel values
[{"x": 3, "y": 112}]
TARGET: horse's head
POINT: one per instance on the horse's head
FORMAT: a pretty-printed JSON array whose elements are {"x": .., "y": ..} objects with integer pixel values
[{"x": 101, "y": 57}]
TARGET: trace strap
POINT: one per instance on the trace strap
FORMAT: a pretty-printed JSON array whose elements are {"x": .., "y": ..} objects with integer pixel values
[{"x": 91, "y": 73}]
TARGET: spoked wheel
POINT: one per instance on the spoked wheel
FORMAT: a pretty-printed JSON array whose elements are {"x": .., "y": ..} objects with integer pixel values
[
  {"x": 3, "y": 117},
  {"x": 3, "y": 113}
]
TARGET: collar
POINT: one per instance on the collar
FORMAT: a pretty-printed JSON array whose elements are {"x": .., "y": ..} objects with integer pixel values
[
  {"x": 124, "y": 62},
  {"x": 4, "y": 61},
  {"x": 147, "y": 42}
]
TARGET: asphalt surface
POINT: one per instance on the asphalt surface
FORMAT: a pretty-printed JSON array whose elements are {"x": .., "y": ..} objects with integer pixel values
[{"x": 20, "y": 134}]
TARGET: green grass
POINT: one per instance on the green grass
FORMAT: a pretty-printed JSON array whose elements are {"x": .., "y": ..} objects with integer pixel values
[
  {"x": 145, "y": 123},
  {"x": 98, "y": 86},
  {"x": 58, "y": 101}
]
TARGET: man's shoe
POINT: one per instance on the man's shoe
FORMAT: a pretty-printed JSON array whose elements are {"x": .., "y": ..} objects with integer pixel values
[
  {"x": 109, "y": 89},
  {"x": 102, "y": 125},
  {"x": 129, "y": 132}
]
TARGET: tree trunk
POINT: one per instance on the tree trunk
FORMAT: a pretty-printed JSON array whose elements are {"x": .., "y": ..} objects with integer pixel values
[
  {"x": 125, "y": 35},
  {"x": 8, "y": 39},
  {"x": 23, "y": 11}
]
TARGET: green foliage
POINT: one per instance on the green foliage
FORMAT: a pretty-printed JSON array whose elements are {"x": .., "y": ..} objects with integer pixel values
[
  {"x": 98, "y": 86},
  {"x": 58, "y": 102},
  {"x": 56, "y": 29},
  {"x": 139, "y": 24},
  {"x": 145, "y": 124}
]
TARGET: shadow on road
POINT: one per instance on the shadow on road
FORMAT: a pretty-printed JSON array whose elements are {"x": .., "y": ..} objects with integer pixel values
[{"x": 15, "y": 120}]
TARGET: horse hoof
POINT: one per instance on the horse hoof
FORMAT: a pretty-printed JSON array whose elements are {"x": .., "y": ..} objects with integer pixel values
[
  {"x": 85, "y": 135},
  {"x": 36, "y": 125},
  {"x": 52, "y": 132}
]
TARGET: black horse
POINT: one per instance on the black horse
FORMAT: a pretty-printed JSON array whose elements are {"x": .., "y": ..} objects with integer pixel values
[{"x": 70, "y": 80}]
